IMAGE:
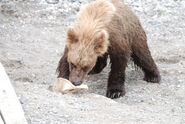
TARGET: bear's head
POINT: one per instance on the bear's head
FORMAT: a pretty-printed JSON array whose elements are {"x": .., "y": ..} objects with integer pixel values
[{"x": 83, "y": 51}]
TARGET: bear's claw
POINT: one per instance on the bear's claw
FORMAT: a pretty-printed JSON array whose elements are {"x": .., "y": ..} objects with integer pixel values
[{"x": 115, "y": 93}]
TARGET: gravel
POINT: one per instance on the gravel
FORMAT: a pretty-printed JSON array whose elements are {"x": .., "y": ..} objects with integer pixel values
[{"x": 32, "y": 34}]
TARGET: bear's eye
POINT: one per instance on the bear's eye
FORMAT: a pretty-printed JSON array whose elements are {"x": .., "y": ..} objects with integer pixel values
[
  {"x": 85, "y": 69},
  {"x": 73, "y": 65}
]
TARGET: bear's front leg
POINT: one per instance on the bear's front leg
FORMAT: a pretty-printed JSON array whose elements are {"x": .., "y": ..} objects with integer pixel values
[
  {"x": 63, "y": 66},
  {"x": 115, "y": 88},
  {"x": 100, "y": 64}
]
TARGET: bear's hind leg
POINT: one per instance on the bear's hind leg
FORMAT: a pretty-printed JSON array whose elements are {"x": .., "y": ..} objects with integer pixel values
[
  {"x": 100, "y": 64},
  {"x": 63, "y": 66},
  {"x": 115, "y": 87},
  {"x": 142, "y": 58}
]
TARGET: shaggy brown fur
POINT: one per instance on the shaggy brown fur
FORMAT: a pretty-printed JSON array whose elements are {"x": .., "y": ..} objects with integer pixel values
[{"x": 102, "y": 28}]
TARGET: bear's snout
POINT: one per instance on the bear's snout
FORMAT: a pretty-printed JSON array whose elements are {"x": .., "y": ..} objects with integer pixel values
[
  {"x": 76, "y": 76},
  {"x": 77, "y": 83}
]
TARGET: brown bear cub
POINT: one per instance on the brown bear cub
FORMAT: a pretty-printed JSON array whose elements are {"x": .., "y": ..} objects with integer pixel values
[{"x": 106, "y": 28}]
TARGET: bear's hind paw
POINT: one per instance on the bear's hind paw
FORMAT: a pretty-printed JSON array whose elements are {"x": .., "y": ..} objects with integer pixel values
[{"x": 152, "y": 79}]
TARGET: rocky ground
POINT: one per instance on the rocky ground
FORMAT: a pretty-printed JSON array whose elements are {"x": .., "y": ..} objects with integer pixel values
[{"x": 32, "y": 36}]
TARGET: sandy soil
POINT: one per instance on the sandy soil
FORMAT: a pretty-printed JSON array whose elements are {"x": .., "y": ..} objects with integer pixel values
[{"x": 32, "y": 41}]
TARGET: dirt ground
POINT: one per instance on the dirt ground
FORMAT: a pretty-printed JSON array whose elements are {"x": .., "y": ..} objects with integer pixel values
[{"x": 32, "y": 34}]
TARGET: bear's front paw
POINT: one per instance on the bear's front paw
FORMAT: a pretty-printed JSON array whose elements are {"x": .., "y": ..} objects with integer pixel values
[{"x": 115, "y": 93}]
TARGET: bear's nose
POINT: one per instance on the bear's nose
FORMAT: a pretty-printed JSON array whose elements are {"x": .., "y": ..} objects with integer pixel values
[{"x": 77, "y": 83}]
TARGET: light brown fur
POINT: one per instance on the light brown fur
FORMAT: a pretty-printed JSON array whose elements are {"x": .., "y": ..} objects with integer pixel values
[{"x": 89, "y": 32}]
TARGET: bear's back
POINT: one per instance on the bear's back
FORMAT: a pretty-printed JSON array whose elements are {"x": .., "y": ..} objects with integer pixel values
[{"x": 124, "y": 25}]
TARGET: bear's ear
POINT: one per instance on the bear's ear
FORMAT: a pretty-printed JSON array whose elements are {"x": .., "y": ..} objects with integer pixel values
[
  {"x": 101, "y": 42},
  {"x": 71, "y": 36}
]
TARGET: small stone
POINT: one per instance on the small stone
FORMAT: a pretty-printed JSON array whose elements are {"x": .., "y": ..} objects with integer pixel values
[{"x": 52, "y": 1}]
